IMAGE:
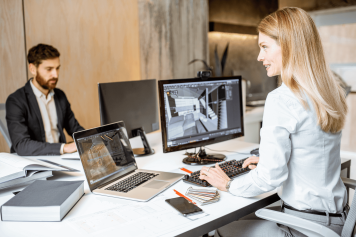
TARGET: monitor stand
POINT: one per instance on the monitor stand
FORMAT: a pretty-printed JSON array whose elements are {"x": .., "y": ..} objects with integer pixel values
[
  {"x": 202, "y": 158},
  {"x": 146, "y": 150}
]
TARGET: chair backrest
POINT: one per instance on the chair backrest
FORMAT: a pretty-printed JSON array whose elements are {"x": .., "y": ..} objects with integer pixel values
[
  {"x": 349, "y": 227},
  {"x": 3, "y": 125}
]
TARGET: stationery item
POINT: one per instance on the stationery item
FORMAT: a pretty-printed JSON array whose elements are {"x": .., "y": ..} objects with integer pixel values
[
  {"x": 43, "y": 201},
  {"x": 14, "y": 167},
  {"x": 186, "y": 170},
  {"x": 181, "y": 195},
  {"x": 26, "y": 180},
  {"x": 203, "y": 196},
  {"x": 183, "y": 206}
]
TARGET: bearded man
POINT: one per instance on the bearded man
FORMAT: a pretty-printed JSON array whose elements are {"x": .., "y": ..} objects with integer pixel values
[{"x": 37, "y": 113}]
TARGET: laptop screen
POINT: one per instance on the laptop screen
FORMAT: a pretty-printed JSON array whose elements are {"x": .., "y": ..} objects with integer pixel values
[{"x": 105, "y": 155}]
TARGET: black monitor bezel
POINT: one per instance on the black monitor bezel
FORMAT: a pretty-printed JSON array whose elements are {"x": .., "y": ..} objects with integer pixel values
[{"x": 167, "y": 149}]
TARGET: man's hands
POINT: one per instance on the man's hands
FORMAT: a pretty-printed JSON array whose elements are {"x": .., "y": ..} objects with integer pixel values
[
  {"x": 215, "y": 176},
  {"x": 69, "y": 148},
  {"x": 250, "y": 162}
]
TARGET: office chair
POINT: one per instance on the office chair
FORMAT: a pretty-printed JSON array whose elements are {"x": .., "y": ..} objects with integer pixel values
[
  {"x": 3, "y": 125},
  {"x": 310, "y": 228}
]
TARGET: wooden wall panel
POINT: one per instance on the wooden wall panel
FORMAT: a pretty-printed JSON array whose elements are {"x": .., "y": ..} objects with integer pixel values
[
  {"x": 98, "y": 42},
  {"x": 12, "y": 52},
  {"x": 172, "y": 33}
]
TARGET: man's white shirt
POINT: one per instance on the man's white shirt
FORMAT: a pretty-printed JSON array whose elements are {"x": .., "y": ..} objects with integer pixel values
[{"x": 49, "y": 115}]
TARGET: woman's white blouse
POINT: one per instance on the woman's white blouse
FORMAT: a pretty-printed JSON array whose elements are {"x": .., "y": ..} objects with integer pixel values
[{"x": 296, "y": 156}]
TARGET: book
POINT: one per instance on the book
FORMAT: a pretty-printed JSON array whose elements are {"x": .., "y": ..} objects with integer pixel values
[
  {"x": 14, "y": 167},
  {"x": 26, "y": 180},
  {"x": 43, "y": 200}
]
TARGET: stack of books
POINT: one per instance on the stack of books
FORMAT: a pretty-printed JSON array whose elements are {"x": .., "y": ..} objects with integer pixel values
[{"x": 203, "y": 196}]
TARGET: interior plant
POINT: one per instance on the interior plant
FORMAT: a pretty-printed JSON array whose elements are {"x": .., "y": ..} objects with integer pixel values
[{"x": 219, "y": 65}]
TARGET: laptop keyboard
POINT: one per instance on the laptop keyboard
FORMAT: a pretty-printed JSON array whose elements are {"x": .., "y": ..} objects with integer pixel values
[{"x": 131, "y": 182}]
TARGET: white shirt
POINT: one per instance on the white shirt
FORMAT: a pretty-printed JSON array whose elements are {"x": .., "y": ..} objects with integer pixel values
[
  {"x": 297, "y": 157},
  {"x": 49, "y": 115}
]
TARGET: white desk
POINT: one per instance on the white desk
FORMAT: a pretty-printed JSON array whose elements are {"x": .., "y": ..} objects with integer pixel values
[{"x": 229, "y": 208}]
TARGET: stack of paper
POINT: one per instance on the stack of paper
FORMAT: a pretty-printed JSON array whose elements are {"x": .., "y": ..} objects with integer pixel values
[{"x": 203, "y": 195}]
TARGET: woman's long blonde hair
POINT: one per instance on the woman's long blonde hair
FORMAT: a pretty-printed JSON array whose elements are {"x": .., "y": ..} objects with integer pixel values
[{"x": 304, "y": 69}]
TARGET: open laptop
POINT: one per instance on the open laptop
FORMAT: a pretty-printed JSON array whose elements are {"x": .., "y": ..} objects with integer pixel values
[{"x": 110, "y": 166}]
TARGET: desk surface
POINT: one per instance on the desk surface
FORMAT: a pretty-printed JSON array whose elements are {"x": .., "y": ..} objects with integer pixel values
[{"x": 220, "y": 213}]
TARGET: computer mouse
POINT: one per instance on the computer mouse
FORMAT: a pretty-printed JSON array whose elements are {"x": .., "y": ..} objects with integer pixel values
[{"x": 255, "y": 152}]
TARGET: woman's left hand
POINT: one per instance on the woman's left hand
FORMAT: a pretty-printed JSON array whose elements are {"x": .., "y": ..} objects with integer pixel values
[{"x": 215, "y": 176}]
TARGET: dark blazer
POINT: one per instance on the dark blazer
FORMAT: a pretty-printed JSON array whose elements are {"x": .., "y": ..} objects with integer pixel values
[{"x": 25, "y": 125}]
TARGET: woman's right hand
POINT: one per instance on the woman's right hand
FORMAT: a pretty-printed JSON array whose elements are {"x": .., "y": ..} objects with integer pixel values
[{"x": 251, "y": 162}]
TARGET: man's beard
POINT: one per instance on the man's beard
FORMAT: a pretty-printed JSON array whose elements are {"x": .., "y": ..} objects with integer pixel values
[{"x": 46, "y": 84}]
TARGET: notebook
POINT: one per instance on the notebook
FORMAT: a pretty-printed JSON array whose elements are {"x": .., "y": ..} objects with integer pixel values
[
  {"x": 13, "y": 167},
  {"x": 110, "y": 166}
]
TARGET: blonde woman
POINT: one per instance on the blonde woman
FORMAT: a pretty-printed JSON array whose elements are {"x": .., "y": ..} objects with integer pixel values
[{"x": 301, "y": 133}]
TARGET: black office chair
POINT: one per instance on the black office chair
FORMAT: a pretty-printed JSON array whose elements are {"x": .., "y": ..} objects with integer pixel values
[
  {"x": 310, "y": 228},
  {"x": 3, "y": 126}
]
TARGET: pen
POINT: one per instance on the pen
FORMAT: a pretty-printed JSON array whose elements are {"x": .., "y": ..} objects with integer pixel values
[
  {"x": 179, "y": 194},
  {"x": 186, "y": 170}
]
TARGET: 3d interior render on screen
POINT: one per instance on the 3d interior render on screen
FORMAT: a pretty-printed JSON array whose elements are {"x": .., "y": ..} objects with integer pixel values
[
  {"x": 201, "y": 111},
  {"x": 196, "y": 112}
]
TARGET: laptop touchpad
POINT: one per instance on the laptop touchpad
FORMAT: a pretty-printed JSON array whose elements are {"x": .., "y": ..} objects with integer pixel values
[{"x": 155, "y": 184}]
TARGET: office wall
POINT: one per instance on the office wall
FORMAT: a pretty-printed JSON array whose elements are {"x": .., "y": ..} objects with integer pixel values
[
  {"x": 12, "y": 52},
  {"x": 243, "y": 48},
  {"x": 172, "y": 33},
  {"x": 339, "y": 42},
  {"x": 240, "y": 12},
  {"x": 312, "y": 5},
  {"x": 98, "y": 42}
]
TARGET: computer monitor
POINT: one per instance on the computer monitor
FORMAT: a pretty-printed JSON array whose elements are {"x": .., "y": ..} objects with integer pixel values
[
  {"x": 197, "y": 112},
  {"x": 135, "y": 103}
]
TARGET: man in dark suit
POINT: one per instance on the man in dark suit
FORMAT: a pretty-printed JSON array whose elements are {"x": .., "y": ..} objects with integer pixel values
[{"x": 37, "y": 113}]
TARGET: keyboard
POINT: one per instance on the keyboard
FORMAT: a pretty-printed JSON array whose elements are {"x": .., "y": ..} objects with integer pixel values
[
  {"x": 131, "y": 182},
  {"x": 232, "y": 168}
]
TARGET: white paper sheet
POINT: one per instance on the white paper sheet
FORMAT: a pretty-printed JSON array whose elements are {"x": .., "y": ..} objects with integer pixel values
[{"x": 130, "y": 218}]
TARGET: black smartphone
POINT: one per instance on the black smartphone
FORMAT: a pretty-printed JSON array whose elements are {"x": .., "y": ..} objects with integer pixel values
[{"x": 183, "y": 206}]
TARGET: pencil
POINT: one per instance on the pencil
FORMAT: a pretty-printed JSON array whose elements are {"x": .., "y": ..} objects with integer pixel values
[{"x": 179, "y": 194}]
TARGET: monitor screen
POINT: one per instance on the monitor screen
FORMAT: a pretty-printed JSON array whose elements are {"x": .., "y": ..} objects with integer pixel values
[
  {"x": 134, "y": 102},
  {"x": 197, "y": 112},
  {"x": 105, "y": 152}
]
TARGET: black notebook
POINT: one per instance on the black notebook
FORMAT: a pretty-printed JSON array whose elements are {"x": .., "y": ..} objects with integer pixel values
[{"x": 43, "y": 201}]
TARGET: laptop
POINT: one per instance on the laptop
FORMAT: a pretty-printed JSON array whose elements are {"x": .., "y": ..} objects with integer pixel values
[{"x": 110, "y": 166}]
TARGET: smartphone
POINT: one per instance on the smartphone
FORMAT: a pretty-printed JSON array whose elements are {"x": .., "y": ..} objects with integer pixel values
[{"x": 183, "y": 206}]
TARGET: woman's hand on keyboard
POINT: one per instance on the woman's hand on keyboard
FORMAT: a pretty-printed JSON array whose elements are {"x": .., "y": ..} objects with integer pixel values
[
  {"x": 215, "y": 176},
  {"x": 251, "y": 162}
]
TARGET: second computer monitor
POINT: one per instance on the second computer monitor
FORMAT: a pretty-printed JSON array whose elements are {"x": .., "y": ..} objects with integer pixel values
[
  {"x": 134, "y": 102},
  {"x": 197, "y": 112}
]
